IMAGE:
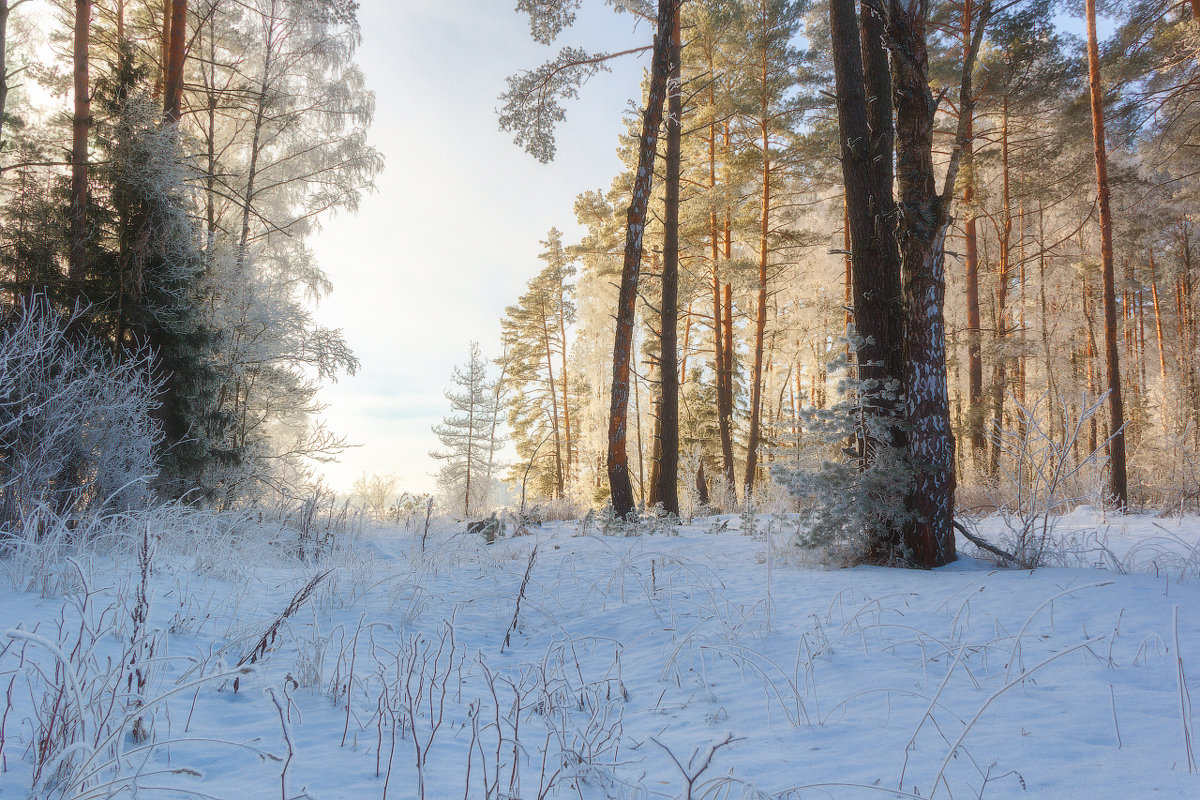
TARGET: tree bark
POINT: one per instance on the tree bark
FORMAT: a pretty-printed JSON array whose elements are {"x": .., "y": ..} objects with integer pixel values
[
  {"x": 975, "y": 412},
  {"x": 760, "y": 323},
  {"x": 554, "y": 417},
  {"x": 1000, "y": 377},
  {"x": 668, "y": 428},
  {"x": 1090, "y": 355},
  {"x": 80, "y": 125},
  {"x": 866, "y": 157},
  {"x": 3, "y": 64},
  {"x": 173, "y": 85},
  {"x": 724, "y": 413},
  {"x": 1158, "y": 330},
  {"x": 164, "y": 49},
  {"x": 924, "y": 221},
  {"x": 566, "y": 397},
  {"x": 1119, "y": 485},
  {"x": 635, "y": 229},
  {"x": 866, "y": 148}
]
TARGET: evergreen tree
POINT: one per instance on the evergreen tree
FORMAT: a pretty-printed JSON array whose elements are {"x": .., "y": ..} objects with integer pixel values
[
  {"x": 539, "y": 401},
  {"x": 469, "y": 436}
]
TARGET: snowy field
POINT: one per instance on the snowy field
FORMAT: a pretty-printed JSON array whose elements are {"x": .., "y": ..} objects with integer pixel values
[{"x": 698, "y": 662}]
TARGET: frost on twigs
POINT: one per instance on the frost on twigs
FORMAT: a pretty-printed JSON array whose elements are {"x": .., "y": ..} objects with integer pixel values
[
  {"x": 548, "y": 18},
  {"x": 533, "y": 102},
  {"x": 77, "y": 425}
]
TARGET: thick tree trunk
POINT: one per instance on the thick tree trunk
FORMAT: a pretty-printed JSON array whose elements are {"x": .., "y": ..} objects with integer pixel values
[
  {"x": 173, "y": 91},
  {"x": 635, "y": 229},
  {"x": 668, "y": 413},
  {"x": 866, "y": 134},
  {"x": 865, "y": 130},
  {"x": 924, "y": 221},
  {"x": 1119, "y": 487}
]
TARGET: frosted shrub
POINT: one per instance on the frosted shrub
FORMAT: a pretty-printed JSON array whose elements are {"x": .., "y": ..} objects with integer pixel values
[
  {"x": 1045, "y": 475},
  {"x": 843, "y": 495},
  {"x": 77, "y": 431}
]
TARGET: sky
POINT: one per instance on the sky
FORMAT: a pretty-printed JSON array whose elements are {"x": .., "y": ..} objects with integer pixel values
[{"x": 452, "y": 234}]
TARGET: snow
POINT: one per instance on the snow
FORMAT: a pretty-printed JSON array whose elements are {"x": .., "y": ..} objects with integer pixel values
[{"x": 633, "y": 663}]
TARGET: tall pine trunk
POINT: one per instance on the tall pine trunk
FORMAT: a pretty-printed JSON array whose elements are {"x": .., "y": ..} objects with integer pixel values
[
  {"x": 724, "y": 413},
  {"x": 1158, "y": 329},
  {"x": 1119, "y": 486},
  {"x": 80, "y": 125},
  {"x": 668, "y": 412},
  {"x": 3, "y": 63},
  {"x": 865, "y": 131},
  {"x": 760, "y": 322},
  {"x": 1000, "y": 378},
  {"x": 924, "y": 222},
  {"x": 635, "y": 228},
  {"x": 554, "y": 416},
  {"x": 975, "y": 424},
  {"x": 173, "y": 86}
]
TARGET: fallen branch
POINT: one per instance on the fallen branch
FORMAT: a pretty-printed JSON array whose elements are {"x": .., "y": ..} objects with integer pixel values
[{"x": 983, "y": 544}]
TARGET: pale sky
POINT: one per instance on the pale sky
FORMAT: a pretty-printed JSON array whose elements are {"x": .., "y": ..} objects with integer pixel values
[{"x": 452, "y": 234}]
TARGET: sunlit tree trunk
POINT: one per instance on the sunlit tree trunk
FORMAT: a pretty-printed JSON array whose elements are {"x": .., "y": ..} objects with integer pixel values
[
  {"x": 724, "y": 413},
  {"x": 80, "y": 126},
  {"x": 924, "y": 221},
  {"x": 173, "y": 91},
  {"x": 1119, "y": 486},
  {"x": 975, "y": 413},
  {"x": 618, "y": 458},
  {"x": 1158, "y": 328},
  {"x": 667, "y": 442},
  {"x": 760, "y": 322},
  {"x": 554, "y": 416}
]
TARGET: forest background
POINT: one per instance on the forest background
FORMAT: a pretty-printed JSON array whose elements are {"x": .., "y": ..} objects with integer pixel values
[{"x": 195, "y": 182}]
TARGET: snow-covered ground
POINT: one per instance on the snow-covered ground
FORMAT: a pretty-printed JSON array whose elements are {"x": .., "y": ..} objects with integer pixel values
[{"x": 704, "y": 662}]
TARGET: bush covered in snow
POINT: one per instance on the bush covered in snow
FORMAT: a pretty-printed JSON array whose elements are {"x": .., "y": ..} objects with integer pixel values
[{"x": 77, "y": 425}]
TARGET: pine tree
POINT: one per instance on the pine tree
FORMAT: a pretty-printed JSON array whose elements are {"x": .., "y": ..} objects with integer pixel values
[
  {"x": 1119, "y": 486},
  {"x": 469, "y": 435},
  {"x": 534, "y": 335},
  {"x": 770, "y": 99}
]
